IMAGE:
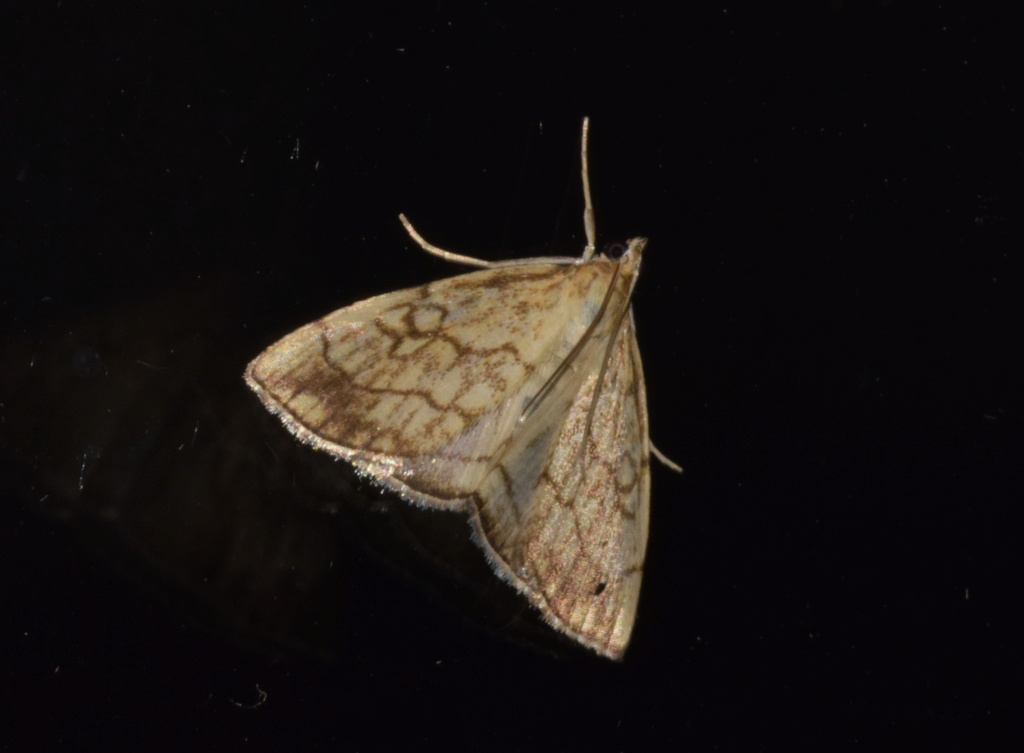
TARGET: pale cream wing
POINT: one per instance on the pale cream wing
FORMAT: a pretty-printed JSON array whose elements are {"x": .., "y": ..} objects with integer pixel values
[
  {"x": 567, "y": 524},
  {"x": 421, "y": 388}
]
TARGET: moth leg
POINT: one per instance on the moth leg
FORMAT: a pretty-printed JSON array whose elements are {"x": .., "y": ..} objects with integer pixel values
[
  {"x": 588, "y": 204},
  {"x": 665, "y": 461},
  {"x": 430, "y": 248}
]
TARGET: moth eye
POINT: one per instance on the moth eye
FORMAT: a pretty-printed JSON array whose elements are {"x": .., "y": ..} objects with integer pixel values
[{"x": 614, "y": 250}]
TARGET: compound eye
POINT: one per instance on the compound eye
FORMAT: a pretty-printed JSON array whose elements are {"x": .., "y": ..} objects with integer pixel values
[{"x": 614, "y": 250}]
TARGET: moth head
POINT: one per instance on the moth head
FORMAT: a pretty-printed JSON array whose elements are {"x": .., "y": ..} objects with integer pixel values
[{"x": 627, "y": 253}]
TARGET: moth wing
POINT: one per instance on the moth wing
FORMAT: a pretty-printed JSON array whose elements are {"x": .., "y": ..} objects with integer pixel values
[
  {"x": 420, "y": 388},
  {"x": 567, "y": 524}
]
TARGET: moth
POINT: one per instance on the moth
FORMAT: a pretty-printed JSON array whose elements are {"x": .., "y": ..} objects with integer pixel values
[{"x": 514, "y": 393}]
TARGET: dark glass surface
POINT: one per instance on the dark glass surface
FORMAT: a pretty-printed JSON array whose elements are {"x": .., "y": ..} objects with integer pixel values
[{"x": 829, "y": 313}]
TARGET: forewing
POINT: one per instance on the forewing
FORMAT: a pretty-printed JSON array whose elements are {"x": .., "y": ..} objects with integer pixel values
[
  {"x": 421, "y": 388},
  {"x": 564, "y": 513}
]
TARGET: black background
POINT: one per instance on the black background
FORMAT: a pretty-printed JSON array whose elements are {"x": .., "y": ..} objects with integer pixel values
[{"x": 829, "y": 313}]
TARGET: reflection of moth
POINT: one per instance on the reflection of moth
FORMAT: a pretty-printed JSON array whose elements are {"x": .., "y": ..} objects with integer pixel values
[{"x": 514, "y": 393}]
